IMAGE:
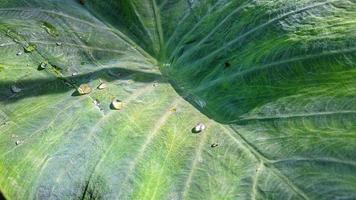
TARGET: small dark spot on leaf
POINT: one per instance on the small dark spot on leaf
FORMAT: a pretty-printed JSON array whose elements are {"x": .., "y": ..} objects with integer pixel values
[{"x": 227, "y": 65}]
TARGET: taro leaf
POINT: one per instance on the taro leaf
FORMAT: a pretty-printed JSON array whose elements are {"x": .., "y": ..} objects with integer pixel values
[{"x": 272, "y": 80}]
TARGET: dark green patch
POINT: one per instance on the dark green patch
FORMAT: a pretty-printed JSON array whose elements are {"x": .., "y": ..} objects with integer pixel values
[
  {"x": 50, "y": 29},
  {"x": 227, "y": 65}
]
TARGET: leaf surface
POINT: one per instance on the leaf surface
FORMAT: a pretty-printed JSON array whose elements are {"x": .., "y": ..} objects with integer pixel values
[{"x": 273, "y": 81}]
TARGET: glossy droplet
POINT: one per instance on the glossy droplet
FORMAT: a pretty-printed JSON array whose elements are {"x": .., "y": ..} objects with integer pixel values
[
  {"x": 15, "y": 89},
  {"x": 84, "y": 89},
  {"x": 43, "y": 66},
  {"x": 97, "y": 102},
  {"x": 74, "y": 73},
  {"x": 117, "y": 104},
  {"x": 30, "y": 48},
  {"x": 18, "y": 142},
  {"x": 2, "y": 45},
  {"x": 19, "y": 53},
  {"x": 214, "y": 145},
  {"x": 58, "y": 43},
  {"x": 155, "y": 84},
  {"x": 102, "y": 86},
  {"x": 199, "y": 128}
]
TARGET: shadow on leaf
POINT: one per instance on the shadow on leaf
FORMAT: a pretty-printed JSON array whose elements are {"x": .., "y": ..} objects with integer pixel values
[{"x": 39, "y": 87}]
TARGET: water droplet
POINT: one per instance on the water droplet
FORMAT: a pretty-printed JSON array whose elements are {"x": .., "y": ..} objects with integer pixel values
[
  {"x": 2, "y": 45},
  {"x": 166, "y": 65},
  {"x": 18, "y": 142},
  {"x": 74, "y": 73},
  {"x": 155, "y": 84},
  {"x": 96, "y": 102},
  {"x": 84, "y": 89},
  {"x": 43, "y": 65},
  {"x": 117, "y": 104},
  {"x": 58, "y": 43},
  {"x": 199, "y": 128},
  {"x": 15, "y": 89},
  {"x": 19, "y": 53},
  {"x": 30, "y": 48},
  {"x": 102, "y": 86},
  {"x": 214, "y": 145}
]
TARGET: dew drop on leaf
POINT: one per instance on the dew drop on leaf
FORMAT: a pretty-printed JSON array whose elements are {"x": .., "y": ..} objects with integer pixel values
[
  {"x": 43, "y": 66},
  {"x": 214, "y": 145},
  {"x": 15, "y": 89},
  {"x": 84, "y": 89},
  {"x": 102, "y": 86},
  {"x": 96, "y": 102},
  {"x": 155, "y": 84},
  {"x": 117, "y": 104},
  {"x": 199, "y": 128}
]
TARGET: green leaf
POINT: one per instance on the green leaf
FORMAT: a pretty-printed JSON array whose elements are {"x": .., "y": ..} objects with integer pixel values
[{"x": 272, "y": 81}]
